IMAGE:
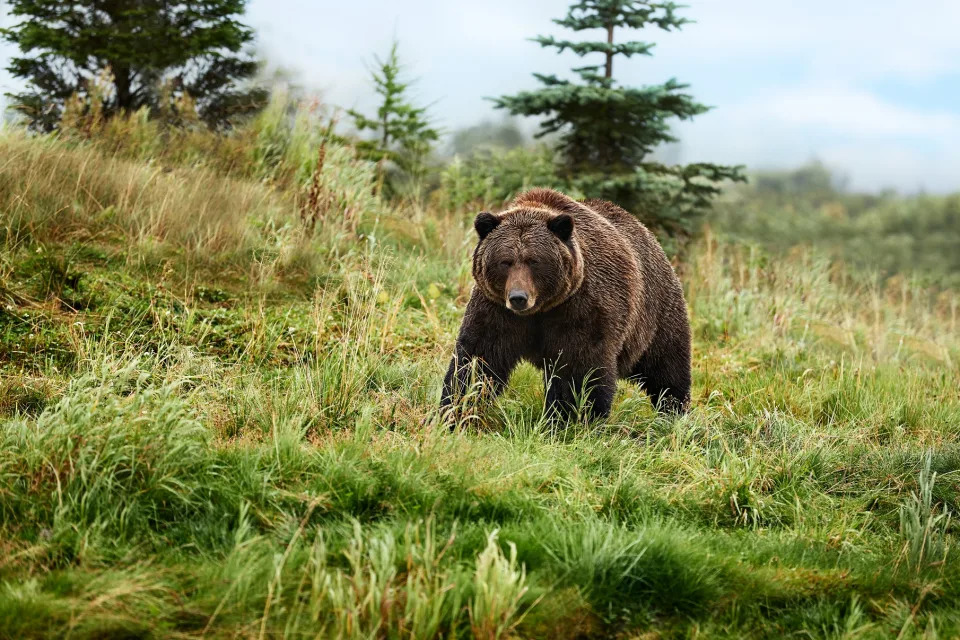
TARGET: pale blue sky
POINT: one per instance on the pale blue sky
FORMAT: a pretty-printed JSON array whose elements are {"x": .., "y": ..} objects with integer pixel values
[{"x": 871, "y": 87}]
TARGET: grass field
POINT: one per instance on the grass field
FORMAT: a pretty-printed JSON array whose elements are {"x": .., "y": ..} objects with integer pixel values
[{"x": 216, "y": 422}]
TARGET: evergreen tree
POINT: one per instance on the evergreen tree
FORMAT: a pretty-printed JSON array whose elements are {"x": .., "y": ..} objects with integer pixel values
[
  {"x": 606, "y": 131},
  {"x": 154, "y": 49},
  {"x": 402, "y": 131}
]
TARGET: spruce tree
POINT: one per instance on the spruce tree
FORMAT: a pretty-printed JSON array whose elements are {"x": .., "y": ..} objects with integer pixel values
[
  {"x": 402, "y": 134},
  {"x": 154, "y": 50},
  {"x": 608, "y": 131}
]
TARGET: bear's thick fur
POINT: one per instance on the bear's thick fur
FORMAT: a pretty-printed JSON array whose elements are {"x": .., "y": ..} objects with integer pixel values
[{"x": 581, "y": 290}]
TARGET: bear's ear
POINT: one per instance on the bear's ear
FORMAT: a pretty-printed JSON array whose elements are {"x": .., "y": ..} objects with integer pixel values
[
  {"x": 561, "y": 226},
  {"x": 485, "y": 223}
]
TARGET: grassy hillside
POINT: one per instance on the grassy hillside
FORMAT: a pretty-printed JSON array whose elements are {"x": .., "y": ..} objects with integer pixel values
[{"x": 217, "y": 422}]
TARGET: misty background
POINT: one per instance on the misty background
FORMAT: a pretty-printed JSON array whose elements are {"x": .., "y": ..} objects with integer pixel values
[{"x": 871, "y": 89}]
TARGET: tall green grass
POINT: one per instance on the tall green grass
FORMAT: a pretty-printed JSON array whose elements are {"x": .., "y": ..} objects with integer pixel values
[{"x": 217, "y": 421}]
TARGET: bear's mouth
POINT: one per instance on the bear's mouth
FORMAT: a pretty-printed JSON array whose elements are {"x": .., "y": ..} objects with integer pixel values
[{"x": 530, "y": 309}]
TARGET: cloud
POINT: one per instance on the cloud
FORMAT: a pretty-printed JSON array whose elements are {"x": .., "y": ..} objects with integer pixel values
[
  {"x": 878, "y": 144},
  {"x": 863, "y": 38},
  {"x": 850, "y": 112},
  {"x": 881, "y": 165}
]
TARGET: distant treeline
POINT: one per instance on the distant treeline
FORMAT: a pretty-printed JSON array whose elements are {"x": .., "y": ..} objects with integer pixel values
[{"x": 916, "y": 235}]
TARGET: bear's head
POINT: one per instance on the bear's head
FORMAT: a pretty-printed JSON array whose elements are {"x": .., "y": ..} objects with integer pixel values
[{"x": 527, "y": 259}]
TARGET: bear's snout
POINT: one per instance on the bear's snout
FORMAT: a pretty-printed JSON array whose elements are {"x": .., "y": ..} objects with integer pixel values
[
  {"x": 520, "y": 290},
  {"x": 518, "y": 299}
]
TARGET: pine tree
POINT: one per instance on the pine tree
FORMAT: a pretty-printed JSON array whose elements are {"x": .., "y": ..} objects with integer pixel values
[
  {"x": 154, "y": 50},
  {"x": 402, "y": 132},
  {"x": 606, "y": 131}
]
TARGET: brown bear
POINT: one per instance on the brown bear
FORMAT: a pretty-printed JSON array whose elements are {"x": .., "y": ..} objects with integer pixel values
[{"x": 584, "y": 292}]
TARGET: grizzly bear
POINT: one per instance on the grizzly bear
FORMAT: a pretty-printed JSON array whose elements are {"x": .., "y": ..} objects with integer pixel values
[{"x": 584, "y": 292}]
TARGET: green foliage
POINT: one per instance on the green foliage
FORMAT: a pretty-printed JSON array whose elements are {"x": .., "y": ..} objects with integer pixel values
[
  {"x": 606, "y": 131},
  {"x": 622, "y": 570},
  {"x": 894, "y": 235},
  {"x": 486, "y": 136},
  {"x": 813, "y": 182},
  {"x": 498, "y": 589},
  {"x": 492, "y": 177},
  {"x": 127, "y": 473},
  {"x": 924, "y": 530},
  {"x": 65, "y": 45},
  {"x": 402, "y": 132}
]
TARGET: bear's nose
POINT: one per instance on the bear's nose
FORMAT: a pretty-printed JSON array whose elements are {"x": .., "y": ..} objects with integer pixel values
[{"x": 518, "y": 300}]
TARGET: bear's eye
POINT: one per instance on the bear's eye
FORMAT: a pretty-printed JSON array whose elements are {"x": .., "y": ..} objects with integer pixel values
[
  {"x": 533, "y": 262},
  {"x": 506, "y": 264}
]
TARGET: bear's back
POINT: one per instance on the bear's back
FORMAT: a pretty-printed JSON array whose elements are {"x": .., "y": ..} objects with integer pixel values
[
  {"x": 633, "y": 231},
  {"x": 662, "y": 292},
  {"x": 591, "y": 216}
]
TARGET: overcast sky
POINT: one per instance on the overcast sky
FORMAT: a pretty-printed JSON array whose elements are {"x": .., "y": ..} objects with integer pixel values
[{"x": 871, "y": 87}]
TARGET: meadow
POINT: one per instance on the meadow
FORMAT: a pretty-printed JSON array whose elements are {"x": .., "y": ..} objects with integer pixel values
[{"x": 220, "y": 364}]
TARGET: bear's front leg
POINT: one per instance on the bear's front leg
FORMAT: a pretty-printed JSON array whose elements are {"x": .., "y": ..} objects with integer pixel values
[
  {"x": 464, "y": 364},
  {"x": 484, "y": 348},
  {"x": 571, "y": 386}
]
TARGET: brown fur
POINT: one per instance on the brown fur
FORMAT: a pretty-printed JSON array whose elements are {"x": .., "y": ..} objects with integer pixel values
[{"x": 603, "y": 303}]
